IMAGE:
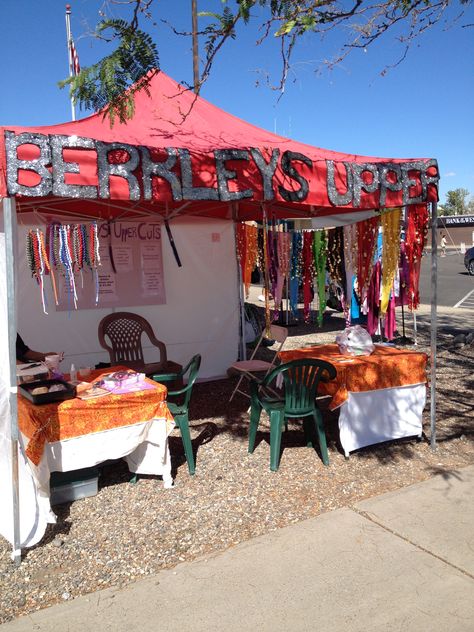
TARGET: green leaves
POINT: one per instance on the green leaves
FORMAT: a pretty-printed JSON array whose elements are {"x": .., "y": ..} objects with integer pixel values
[
  {"x": 286, "y": 28},
  {"x": 110, "y": 85},
  {"x": 457, "y": 202}
]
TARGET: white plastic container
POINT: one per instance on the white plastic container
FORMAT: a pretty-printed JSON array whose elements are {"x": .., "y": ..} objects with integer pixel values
[{"x": 73, "y": 374}]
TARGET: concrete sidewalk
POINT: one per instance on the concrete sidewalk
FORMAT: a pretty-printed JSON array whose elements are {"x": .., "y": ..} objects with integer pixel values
[{"x": 400, "y": 561}]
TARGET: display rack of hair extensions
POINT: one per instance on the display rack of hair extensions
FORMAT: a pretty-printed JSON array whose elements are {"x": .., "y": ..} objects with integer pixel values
[
  {"x": 366, "y": 269},
  {"x": 62, "y": 252}
]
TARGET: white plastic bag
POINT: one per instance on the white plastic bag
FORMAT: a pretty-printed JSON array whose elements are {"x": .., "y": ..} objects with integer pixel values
[{"x": 355, "y": 341}]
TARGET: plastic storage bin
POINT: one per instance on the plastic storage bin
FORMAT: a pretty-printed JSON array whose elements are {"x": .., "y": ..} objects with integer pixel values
[{"x": 65, "y": 487}]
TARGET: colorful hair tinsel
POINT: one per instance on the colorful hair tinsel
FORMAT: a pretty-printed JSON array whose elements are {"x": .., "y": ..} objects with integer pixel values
[
  {"x": 66, "y": 249},
  {"x": 367, "y": 232},
  {"x": 283, "y": 247},
  {"x": 390, "y": 254},
  {"x": 320, "y": 257},
  {"x": 67, "y": 264},
  {"x": 417, "y": 228},
  {"x": 247, "y": 252},
  {"x": 308, "y": 274},
  {"x": 38, "y": 263},
  {"x": 295, "y": 271}
]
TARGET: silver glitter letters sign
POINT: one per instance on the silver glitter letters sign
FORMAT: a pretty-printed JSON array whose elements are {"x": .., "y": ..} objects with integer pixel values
[
  {"x": 267, "y": 170},
  {"x": 365, "y": 183},
  {"x": 287, "y": 168},
  {"x": 224, "y": 174},
  {"x": 408, "y": 183},
  {"x": 385, "y": 176},
  {"x": 426, "y": 179},
  {"x": 61, "y": 167},
  {"x": 161, "y": 170},
  {"x": 336, "y": 198},
  {"x": 189, "y": 191},
  {"x": 37, "y": 165},
  {"x": 360, "y": 184},
  {"x": 105, "y": 169},
  {"x": 389, "y": 184}
]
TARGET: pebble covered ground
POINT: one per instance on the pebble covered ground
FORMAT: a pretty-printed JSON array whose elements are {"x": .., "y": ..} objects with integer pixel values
[{"x": 129, "y": 530}]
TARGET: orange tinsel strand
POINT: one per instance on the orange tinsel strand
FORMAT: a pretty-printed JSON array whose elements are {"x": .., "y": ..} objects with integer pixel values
[
  {"x": 367, "y": 232},
  {"x": 48, "y": 266},
  {"x": 250, "y": 255}
]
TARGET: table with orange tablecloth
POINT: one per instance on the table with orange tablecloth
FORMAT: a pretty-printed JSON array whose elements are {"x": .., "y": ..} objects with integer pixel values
[
  {"x": 380, "y": 396},
  {"x": 76, "y": 433}
]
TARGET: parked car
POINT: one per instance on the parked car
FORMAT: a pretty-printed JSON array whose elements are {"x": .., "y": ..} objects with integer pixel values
[{"x": 469, "y": 260}]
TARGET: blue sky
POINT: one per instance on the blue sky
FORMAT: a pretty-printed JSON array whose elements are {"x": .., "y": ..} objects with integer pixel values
[{"x": 422, "y": 108}]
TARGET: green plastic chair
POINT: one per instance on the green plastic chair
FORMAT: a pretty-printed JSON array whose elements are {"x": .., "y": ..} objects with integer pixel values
[
  {"x": 180, "y": 410},
  {"x": 301, "y": 379}
]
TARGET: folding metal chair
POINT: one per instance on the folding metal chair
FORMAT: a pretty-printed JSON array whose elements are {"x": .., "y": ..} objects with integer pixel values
[{"x": 257, "y": 369}]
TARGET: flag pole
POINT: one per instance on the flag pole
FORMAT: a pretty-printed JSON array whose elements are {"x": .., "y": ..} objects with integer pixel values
[
  {"x": 69, "y": 53},
  {"x": 195, "y": 46}
]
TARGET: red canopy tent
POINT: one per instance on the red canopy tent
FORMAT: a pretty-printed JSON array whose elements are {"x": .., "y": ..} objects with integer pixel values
[{"x": 180, "y": 154}]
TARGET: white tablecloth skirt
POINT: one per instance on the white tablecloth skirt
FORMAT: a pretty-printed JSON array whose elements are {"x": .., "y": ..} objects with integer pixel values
[
  {"x": 375, "y": 416},
  {"x": 144, "y": 446}
]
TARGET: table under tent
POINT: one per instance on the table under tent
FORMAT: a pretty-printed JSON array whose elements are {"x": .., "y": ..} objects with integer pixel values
[{"x": 180, "y": 156}]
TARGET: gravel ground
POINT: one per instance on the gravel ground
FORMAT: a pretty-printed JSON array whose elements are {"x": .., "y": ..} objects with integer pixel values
[{"x": 128, "y": 531}]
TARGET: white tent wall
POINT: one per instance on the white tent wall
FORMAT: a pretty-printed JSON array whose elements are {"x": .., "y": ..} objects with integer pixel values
[
  {"x": 28, "y": 497},
  {"x": 201, "y": 314}
]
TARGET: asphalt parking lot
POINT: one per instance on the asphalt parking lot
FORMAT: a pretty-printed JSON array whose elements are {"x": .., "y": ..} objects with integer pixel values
[{"x": 454, "y": 283}]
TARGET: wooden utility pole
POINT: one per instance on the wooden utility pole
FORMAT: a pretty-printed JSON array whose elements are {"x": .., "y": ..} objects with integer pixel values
[{"x": 195, "y": 46}]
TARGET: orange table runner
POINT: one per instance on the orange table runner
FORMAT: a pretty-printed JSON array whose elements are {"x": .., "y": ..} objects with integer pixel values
[
  {"x": 77, "y": 417},
  {"x": 386, "y": 367}
]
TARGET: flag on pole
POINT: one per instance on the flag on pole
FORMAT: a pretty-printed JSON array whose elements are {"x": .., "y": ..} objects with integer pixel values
[{"x": 75, "y": 66}]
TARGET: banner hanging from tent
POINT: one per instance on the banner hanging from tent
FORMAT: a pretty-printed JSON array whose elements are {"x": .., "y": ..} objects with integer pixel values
[{"x": 123, "y": 171}]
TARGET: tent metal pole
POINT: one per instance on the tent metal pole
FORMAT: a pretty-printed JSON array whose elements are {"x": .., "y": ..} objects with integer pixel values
[
  {"x": 242, "y": 347},
  {"x": 287, "y": 283},
  {"x": 434, "y": 321},
  {"x": 9, "y": 214}
]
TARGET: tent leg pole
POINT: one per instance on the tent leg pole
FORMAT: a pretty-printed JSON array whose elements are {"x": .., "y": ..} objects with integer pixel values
[
  {"x": 9, "y": 214},
  {"x": 287, "y": 284},
  {"x": 434, "y": 321},
  {"x": 415, "y": 330},
  {"x": 242, "y": 347}
]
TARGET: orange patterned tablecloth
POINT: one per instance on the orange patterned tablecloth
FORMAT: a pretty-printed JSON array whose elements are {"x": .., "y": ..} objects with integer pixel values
[
  {"x": 77, "y": 417},
  {"x": 386, "y": 367}
]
